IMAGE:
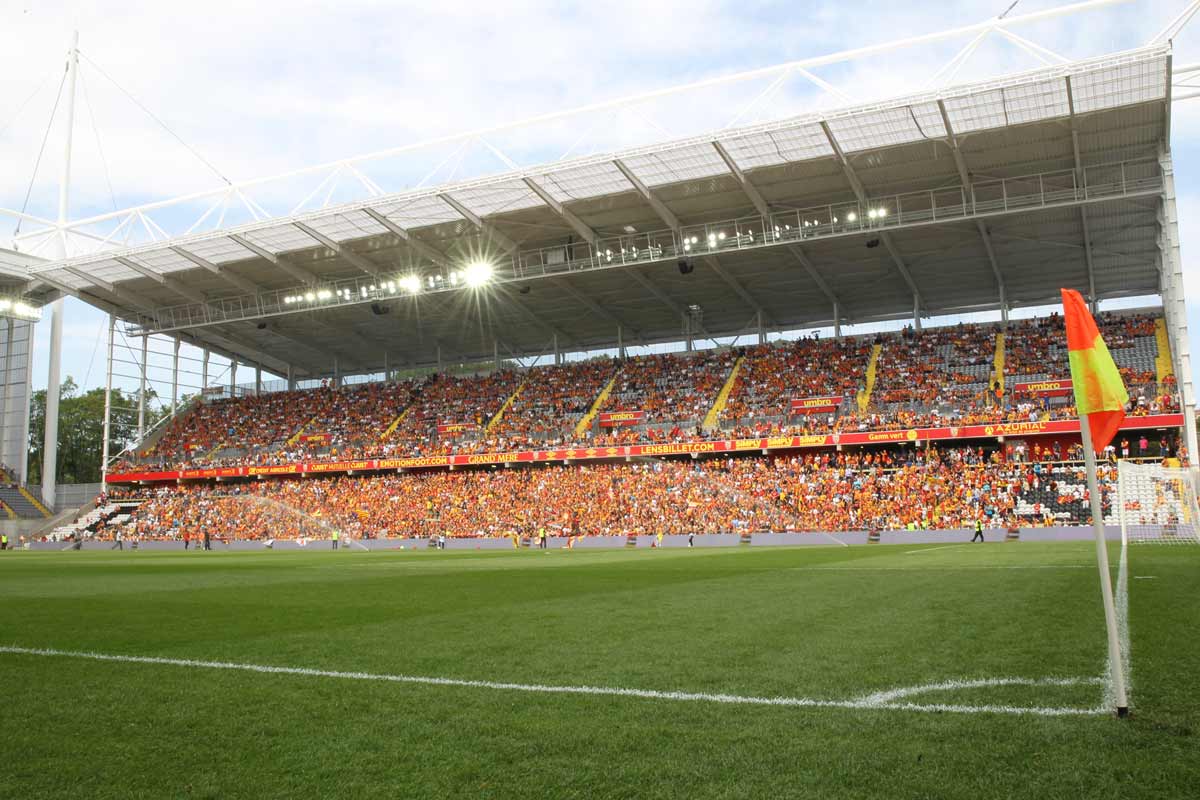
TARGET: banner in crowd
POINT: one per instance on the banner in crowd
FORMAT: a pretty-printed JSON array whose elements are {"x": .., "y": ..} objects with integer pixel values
[
  {"x": 316, "y": 438},
  {"x": 571, "y": 454},
  {"x": 815, "y": 405},
  {"x": 453, "y": 428},
  {"x": 618, "y": 419},
  {"x": 1059, "y": 388}
]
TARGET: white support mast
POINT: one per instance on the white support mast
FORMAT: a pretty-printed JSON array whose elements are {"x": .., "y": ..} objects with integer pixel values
[{"x": 53, "y": 378}]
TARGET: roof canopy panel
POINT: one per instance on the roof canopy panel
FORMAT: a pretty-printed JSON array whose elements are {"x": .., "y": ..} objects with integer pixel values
[{"x": 601, "y": 254}]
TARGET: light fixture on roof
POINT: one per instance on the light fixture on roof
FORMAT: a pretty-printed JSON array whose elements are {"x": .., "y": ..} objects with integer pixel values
[
  {"x": 478, "y": 273},
  {"x": 309, "y": 296},
  {"x": 851, "y": 216},
  {"x": 19, "y": 309},
  {"x": 410, "y": 284}
]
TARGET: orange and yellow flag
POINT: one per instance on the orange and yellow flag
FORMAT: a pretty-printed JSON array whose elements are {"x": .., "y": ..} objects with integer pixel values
[{"x": 1099, "y": 391}]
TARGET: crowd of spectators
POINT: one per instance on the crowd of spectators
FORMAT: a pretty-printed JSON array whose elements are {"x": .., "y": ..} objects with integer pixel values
[
  {"x": 292, "y": 425},
  {"x": 775, "y": 374},
  {"x": 936, "y": 367},
  {"x": 887, "y": 489},
  {"x": 932, "y": 378},
  {"x": 550, "y": 404},
  {"x": 671, "y": 387}
]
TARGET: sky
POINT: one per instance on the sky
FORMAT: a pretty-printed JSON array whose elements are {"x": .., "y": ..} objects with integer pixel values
[{"x": 259, "y": 89}]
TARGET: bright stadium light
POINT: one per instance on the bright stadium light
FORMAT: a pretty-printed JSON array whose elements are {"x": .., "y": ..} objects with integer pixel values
[
  {"x": 478, "y": 273},
  {"x": 410, "y": 284},
  {"x": 851, "y": 217}
]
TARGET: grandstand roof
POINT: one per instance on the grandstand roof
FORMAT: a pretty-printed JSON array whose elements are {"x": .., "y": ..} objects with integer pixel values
[{"x": 948, "y": 200}]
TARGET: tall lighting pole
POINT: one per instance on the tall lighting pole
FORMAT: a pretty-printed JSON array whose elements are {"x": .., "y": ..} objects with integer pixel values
[{"x": 50, "y": 445}]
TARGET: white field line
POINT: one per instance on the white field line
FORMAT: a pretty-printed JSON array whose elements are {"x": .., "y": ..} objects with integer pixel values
[
  {"x": 935, "y": 547},
  {"x": 938, "y": 568},
  {"x": 893, "y": 700}
]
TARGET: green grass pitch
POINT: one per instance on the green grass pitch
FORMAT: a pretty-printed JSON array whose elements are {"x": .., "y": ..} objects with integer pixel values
[{"x": 822, "y": 624}]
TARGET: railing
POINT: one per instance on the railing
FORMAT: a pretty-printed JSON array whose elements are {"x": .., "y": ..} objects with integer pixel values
[{"x": 785, "y": 228}]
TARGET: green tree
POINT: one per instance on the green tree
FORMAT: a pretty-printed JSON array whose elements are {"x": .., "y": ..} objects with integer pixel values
[{"x": 81, "y": 429}]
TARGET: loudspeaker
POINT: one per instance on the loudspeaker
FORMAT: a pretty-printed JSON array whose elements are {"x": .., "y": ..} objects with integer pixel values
[
  {"x": 872, "y": 243},
  {"x": 685, "y": 266},
  {"x": 262, "y": 326},
  {"x": 524, "y": 290},
  {"x": 379, "y": 309}
]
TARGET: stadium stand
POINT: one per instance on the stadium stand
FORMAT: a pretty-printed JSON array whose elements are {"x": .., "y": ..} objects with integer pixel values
[
  {"x": 931, "y": 378},
  {"x": 890, "y": 489},
  {"x": 774, "y": 375},
  {"x": 17, "y": 499}
]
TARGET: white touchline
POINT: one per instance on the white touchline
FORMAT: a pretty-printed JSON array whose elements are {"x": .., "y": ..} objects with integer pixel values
[
  {"x": 935, "y": 547},
  {"x": 936, "y": 568},
  {"x": 876, "y": 701}
]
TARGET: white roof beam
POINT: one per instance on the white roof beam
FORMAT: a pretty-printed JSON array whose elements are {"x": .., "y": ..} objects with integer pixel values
[
  {"x": 596, "y": 308},
  {"x": 234, "y": 348},
  {"x": 861, "y": 194},
  {"x": 245, "y": 284},
  {"x": 176, "y": 286},
  {"x": 748, "y": 188},
  {"x": 487, "y": 228},
  {"x": 562, "y": 335},
  {"x": 299, "y": 273},
  {"x": 579, "y": 226},
  {"x": 428, "y": 251},
  {"x": 964, "y": 174},
  {"x": 1081, "y": 182},
  {"x": 739, "y": 289},
  {"x": 91, "y": 279},
  {"x": 811, "y": 269},
  {"x": 660, "y": 208},
  {"x": 324, "y": 354},
  {"x": 654, "y": 289},
  {"x": 342, "y": 252}
]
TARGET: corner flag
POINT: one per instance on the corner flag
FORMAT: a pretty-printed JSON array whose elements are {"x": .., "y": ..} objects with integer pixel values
[{"x": 1099, "y": 392}]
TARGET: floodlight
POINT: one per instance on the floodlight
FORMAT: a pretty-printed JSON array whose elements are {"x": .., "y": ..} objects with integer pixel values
[
  {"x": 410, "y": 284},
  {"x": 478, "y": 273},
  {"x": 851, "y": 217}
]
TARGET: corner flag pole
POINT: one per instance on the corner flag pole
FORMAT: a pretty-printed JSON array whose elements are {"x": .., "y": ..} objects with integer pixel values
[{"x": 1106, "y": 591}]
